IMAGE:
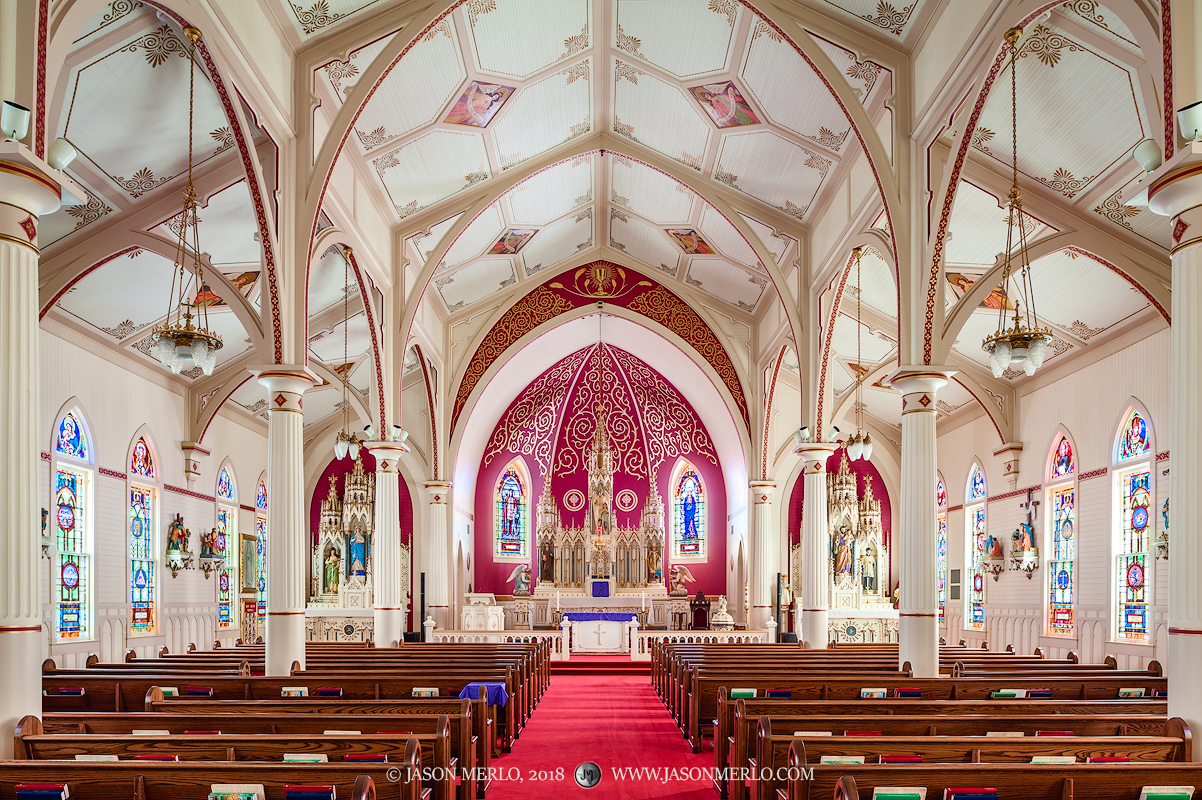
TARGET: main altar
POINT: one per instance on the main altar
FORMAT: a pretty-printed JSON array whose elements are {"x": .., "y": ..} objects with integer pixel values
[
  {"x": 341, "y": 602},
  {"x": 860, "y": 609}
]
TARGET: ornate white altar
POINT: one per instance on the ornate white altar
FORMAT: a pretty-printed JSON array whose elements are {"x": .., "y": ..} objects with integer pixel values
[
  {"x": 482, "y": 613},
  {"x": 602, "y": 635}
]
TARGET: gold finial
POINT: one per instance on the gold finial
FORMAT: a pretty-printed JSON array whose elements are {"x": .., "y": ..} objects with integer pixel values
[
  {"x": 193, "y": 34},
  {"x": 1013, "y": 35}
]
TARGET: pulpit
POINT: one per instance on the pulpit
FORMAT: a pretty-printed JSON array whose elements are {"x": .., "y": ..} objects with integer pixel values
[{"x": 699, "y": 613}]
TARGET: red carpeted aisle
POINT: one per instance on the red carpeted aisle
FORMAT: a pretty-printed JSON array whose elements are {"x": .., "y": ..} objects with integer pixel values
[{"x": 613, "y": 719}]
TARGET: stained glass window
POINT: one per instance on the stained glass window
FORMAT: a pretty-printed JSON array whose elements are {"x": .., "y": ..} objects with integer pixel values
[
  {"x": 261, "y": 564},
  {"x": 225, "y": 485},
  {"x": 1063, "y": 462},
  {"x": 1131, "y": 570},
  {"x": 1134, "y": 440},
  {"x": 941, "y": 547},
  {"x": 261, "y": 497},
  {"x": 141, "y": 558},
  {"x": 976, "y": 589},
  {"x": 976, "y": 485},
  {"x": 141, "y": 462},
  {"x": 1062, "y": 564},
  {"x": 688, "y": 514},
  {"x": 511, "y": 512},
  {"x": 226, "y": 545},
  {"x": 71, "y": 539},
  {"x": 71, "y": 440}
]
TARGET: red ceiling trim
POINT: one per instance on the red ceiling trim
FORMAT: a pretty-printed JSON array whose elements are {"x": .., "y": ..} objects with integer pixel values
[
  {"x": 59, "y": 296},
  {"x": 1166, "y": 33},
  {"x": 39, "y": 136},
  {"x": 826, "y": 345},
  {"x": 1118, "y": 271},
  {"x": 780, "y": 357}
]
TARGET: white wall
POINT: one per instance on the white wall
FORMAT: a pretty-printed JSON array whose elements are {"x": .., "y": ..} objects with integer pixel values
[
  {"x": 116, "y": 403},
  {"x": 1089, "y": 404}
]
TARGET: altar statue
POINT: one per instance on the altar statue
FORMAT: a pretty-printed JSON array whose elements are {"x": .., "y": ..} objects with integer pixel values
[
  {"x": 546, "y": 561},
  {"x": 208, "y": 544},
  {"x": 1023, "y": 539},
  {"x": 680, "y": 576},
  {"x": 331, "y": 572},
  {"x": 868, "y": 569},
  {"x": 521, "y": 580},
  {"x": 993, "y": 547},
  {"x": 358, "y": 552},
  {"x": 843, "y": 553},
  {"x": 654, "y": 573}
]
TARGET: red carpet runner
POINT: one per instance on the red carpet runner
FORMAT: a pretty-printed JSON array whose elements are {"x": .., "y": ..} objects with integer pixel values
[{"x": 614, "y": 720}]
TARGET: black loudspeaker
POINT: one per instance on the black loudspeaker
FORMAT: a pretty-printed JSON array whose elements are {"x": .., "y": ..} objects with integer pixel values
[
  {"x": 421, "y": 621},
  {"x": 412, "y": 637},
  {"x": 788, "y": 638}
]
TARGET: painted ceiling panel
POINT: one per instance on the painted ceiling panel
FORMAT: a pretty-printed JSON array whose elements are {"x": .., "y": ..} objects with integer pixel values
[
  {"x": 772, "y": 169},
  {"x": 790, "y": 92},
  {"x": 978, "y": 233},
  {"x": 564, "y": 239},
  {"x": 431, "y": 168},
  {"x": 228, "y": 232},
  {"x": 251, "y": 396},
  {"x": 867, "y": 78},
  {"x": 328, "y": 345},
  {"x": 1070, "y": 288},
  {"x": 884, "y": 404},
  {"x": 425, "y": 243},
  {"x": 321, "y": 403},
  {"x": 477, "y": 237},
  {"x": 1138, "y": 219},
  {"x": 553, "y": 192},
  {"x": 650, "y": 193},
  {"x": 878, "y": 286},
  {"x": 548, "y": 33},
  {"x": 415, "y": 91},
  {"x": 1101, "y": 20},
  {"x": 103, "y": 298},
  {"x": 476, "y": 281},
  {"x": 778, "y": 244},
  {"x": 327, "y": 281},
  {"x": 311, "y": 17},
  {"x": 726, "y": 282},
  {"x": 873, "y": 349},
  {"x": 650, "y": 30},
  {"x": 545, "y": 114},
  {"x": 53, "y": 227},
  {"x": 648, "y": 244},
  {"x": 719, "y": 232},
  {"x": 341, "y": 76},
  {"x": 659, "y": 115},
  {"x": 880, "y": 15},
  {"x": 225, "y": 324},
  {"x": 109, "y": 18}
]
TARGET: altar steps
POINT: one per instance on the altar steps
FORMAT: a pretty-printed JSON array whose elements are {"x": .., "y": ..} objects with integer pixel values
[{"x": 601, "y": 665}]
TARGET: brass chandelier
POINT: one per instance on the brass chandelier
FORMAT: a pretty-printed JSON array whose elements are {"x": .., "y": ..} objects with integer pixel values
[
  {"x": 1019, "y": 340},
  {"x": 178, "y": 339},
  {"x": 860, "y": 444}
]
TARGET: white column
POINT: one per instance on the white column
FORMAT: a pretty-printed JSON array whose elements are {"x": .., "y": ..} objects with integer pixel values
[
  {"x": 386, "y": 549},
  {"x": 815, "y": 545},
  {"x": 29, "y": 190},
  {"x": 1174, "y": 192},
  {"x": 918, "y": 623},
  {"x": 438, "y": 578},
  {"x": 762, "y": 560},
  {"x": 288, "y": 525}
]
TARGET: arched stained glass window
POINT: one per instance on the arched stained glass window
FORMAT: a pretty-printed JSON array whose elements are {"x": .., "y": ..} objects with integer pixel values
[
  {"x": 1134, "y": 439},
  {"x": 1062, "y": 538},
  {"x": 1134, "y": 527},
  {"x": 141, "y": 460},
  {"x": 226, "y": 547},
  {"x": 977, "y": 484},
  {"x": 71, "y": 439},
  {"x": 225, "y": 485},
  {"x": 72, "y": 526},
  {"x": 512, "y": 513},
  {"x": 941, "y": 546},
  {"x": 688, "y": 513},
  {"x": 142, "y": 575},
  {"x": 1064, "y": 463},
  {"x": 261, "y": 497},
  {"x": 976, "y": 532},
  {"x": 261, "y": 552}
]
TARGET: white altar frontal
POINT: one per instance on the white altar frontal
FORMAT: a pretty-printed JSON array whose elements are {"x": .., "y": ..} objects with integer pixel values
[{"x": 602, "y": 635}]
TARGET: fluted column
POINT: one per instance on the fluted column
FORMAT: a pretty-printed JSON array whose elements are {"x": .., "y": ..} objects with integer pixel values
[
  {"x": 1176, "y": 191},
  {"x": 288, "y": 526},
  {"x": 386, "y": 549},
  {"x": 28, "y": 190},
  {"x": 815, "y": 545},
  {"x": 762, "y": 560},
  {"x": 438, "y": 579},
  {"x": 918, "y": 623}
]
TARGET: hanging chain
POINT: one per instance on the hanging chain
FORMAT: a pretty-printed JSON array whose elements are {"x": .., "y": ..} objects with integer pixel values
[
  {"x": 859, "y": 357},
  {"x": 346, "y": 332}
]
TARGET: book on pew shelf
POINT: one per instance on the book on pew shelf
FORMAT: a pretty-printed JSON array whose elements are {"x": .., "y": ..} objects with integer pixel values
[
  {"x": 382, "y": 757},
  {"x": 306, "y": 758},
  {"x": 910, "y": 692},
  {"x": 1160, "y": 693},
  {"x": 71, "y": 690},
  {"x": 1039, "y": 694},
  {"x": 874, "y": 694},
  {"x": 842, "y": 760},
  {"x": 330, "y": 691},
  {"x": 200, "y": 691},
  {"x": 169, "y": 691},
  {"x": 42, "y": 791},
  {"x": 900, "y": 759},
  {"x": 95, "y": 757},
  {"x": 156, "y": 757},
  {"x": 1131, "y": 691},
  {"x": 899, "y": 793},
  {"x": 1053, "y": 759},
  {"x": 341, "y": 733},
  {"x": 1054, "y": 733},
  {"x": 236, "y": 791},
  {"x": 294, "y": 691},
  {"x": 307, "y": 790},
  {"x": 1005, "y": 734},
  {"x": 394, "y": 733},
  {"x": 861, "y": 733},
  {"x": 148, "y": 732},
  {"x": 234, "y": 796},
  {"x": 735, "y": 694},
  {"x": 970, "y": 794},
  {"x": 1166, "y": 793},
  {"x": 1107, "y": 760},
  {"x": 780, "y": 694},
  {"x": 204, "y": 733},
  {"x": 813, "y": 733},
  {"x": 424, "y": 691},
  {"x": 1009, "y": 694}
]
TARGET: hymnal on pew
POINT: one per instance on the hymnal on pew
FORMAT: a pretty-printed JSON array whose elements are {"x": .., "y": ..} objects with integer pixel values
[
  {"x": 1053, "y": 759},
  {"x": 1131, "y": 692},
  {"x": 42, "y": 791},
  {"x": 1006, "y": 734},
  {"x": 204, "y": 733},
  {"x": 236, "y": 791},
  {"x": 169, "y": 691},
  {"x": 95, "y": 757},
  {"x": 911, "y": 693},
  {"x": 874, "y": 694},
  {"x": 149, "y": 732},
  {"x": 341, "y": 733},
  {"x": 842, "y": 760},
  {"x": 970, "y": 794},
  {"x": 861, "y": 733},
  {"x": 380, "y": 757},
  {"x": 294, "y": 691},
  {"x": 1054, "y": 733},
  {"x": 302, "y": 791},
  {"x": 330, "y": 691},
  {"x": 200, "y": 691},
  {"x": 746, "y": 694},
  {"x": 156, "y": 757},
  {"x": 1166, "y": 793},
  {"x": 424, "y": 691},
  {"x": 1107, "y": 760},
  {"x": 305, "y": 758},
  {"x": 70, "y": 690},
  {"x": 901, "y": 759},
  {"x": 899, "y": 793}
]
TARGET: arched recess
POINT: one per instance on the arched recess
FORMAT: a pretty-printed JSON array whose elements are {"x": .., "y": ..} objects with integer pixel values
[
  {"x": 143, "y": 511},
  {"x": 427, "y": 382},
  {"x": 987, "y": 73},
  {"x": 1059, "y": 539},
  {"x": 72, "y": 528},
  {"x": 1133, "y": 463},
  {"x": 523, "y": 507},
  {"x": 769, "y": 399},
  {"x": 69, "y": 19}
]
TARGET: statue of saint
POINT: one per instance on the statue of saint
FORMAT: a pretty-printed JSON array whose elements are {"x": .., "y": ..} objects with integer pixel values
[
  {"x": 331, "y": 571},
  {"x": 868, "y": 569},
  {"x": 358, "y": 552},
  {"x": 546, "y": 563},
  {"x": 843, "y": 552},
  {"x": 654, "y": 566}
]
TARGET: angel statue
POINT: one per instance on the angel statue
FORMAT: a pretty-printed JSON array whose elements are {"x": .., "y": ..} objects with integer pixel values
[
  {"x": 680, "y": 576},
  {"x": 521, "y": 580}
]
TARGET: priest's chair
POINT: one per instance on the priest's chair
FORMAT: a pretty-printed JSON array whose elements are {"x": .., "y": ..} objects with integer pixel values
[{"x": 699, "y": 607}]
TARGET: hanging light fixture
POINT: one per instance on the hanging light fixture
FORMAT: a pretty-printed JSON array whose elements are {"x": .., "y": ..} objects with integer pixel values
[
  {"x": 179, "y": 340},
  {"x": 860, "y": 444},
  {"x": 1020, "y": 340},
  {"x": 344, "y": 443}
]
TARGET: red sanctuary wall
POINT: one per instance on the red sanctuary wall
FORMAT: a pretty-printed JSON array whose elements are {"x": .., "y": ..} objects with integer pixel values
[
  {"x": 549, "y": 426},
  {"x": 859, "y": 468},
  {"x": 339, "y": 467}
]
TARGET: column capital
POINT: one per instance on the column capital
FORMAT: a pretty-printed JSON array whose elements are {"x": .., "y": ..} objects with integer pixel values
[
  {"x": 815, "y": 454},
  {"x": 31, "y": 188},
  {"x": 285, "y": 385},
  {"x": 387, "y": 454},
  {"x": 922, "y": 379},
  {"x": 1177, "y": 184},
  {"x": 438, "y": 491},
  {"x": 762, "y": 491}
]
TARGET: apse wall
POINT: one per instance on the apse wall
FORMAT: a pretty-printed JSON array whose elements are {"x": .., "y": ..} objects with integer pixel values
[
  {"x": 550, "y": 425},
  {"x": 116, "y": 403},
  {"x": 1089, "y": 404}
]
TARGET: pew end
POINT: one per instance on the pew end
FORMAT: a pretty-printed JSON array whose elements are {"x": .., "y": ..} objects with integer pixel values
[
  {"x": 191, "y": 647},
  {"x": 1179, "y": 728},
  {"x": 130, "y": 655},
  {"x": 1009, "y": 648},
  {"x": 1073, "y": 657},
  {"x": 92, "y": 660},
  {"x": 48, "y": 666},
  {"x": 1111, "y": 662},
  {"x": 1156, "y": 668},
  {"x": 163, "y": 651},
  {"x": 846, "y": 789},
  {"x": 153, "y": 695},
  {"x": 365, "y": 789},
  {"x": 29, "y": 725}
]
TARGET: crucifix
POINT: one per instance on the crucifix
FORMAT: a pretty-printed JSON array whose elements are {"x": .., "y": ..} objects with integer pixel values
[{"x": 1031, "y": 507}]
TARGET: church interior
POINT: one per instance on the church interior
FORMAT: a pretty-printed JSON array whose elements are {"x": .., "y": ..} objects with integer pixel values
[{"x": 770, "y": 399}]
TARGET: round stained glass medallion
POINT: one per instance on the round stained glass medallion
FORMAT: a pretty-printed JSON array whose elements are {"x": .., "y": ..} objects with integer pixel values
[
  {"x": 1135, "y": 576},
  {"x": 978, "y": 583},
  {"x": 70, "y": 575},
  {"x": 262, "y": 585},
  {"x": 1139, "y": 518},
  {"x": 1063, "y": 579},
  {"x": 221, "y": 541},
  {"x": 66, "y": 518},
  {"x": 259, "y": 547},
  {"x": 224, "y": 581},
  {"x": 942, "y": 547},
  {"x": 140, "y": 579}
]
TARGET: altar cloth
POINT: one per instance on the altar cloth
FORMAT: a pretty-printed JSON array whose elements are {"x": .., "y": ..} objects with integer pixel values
[
  {"x": 592, "y": 616},
  {"x": 497, "y": 696}
]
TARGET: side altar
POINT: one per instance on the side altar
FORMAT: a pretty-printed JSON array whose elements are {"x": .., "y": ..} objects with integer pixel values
[{"x": 341, "y": 601}]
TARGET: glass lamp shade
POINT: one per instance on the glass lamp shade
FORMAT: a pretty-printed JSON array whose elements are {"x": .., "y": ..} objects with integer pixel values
[
  {"x": 1018, "y": 355},
  {"x": 866, "y": 453},
  {"x": 1028, "y": 366},
  {"x": 341, "y": 446},
  {"x": 1000, "y": 358},
  {"x": 166, "y": 349},
  {"x": 855, "y": 448},
  {"x": 1039, "y": 349},
  {"x": 354, "y": 450},
  {"x": 182, "y": 354},
  {"x": 210, "y": 361},
  {"x": 200, "y": 350}
]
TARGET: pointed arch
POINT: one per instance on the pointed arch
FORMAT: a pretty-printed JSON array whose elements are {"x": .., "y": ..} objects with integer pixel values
[
  {"x": 512, "y": 519},
  {"x": 690, "y": 529},
  {"x": 976, "y": 532},
  {"x": 143, "y": 487},
  {"x": 226, "y": 482},
  {"x": 1133, "y": 443},
  {"x": 1133, "y": 454},
  {"x": 72, "y": 523},
  {"x": 1060, "y": 534}
]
